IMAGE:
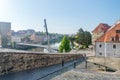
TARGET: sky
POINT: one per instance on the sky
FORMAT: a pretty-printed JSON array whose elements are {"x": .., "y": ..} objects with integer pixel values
[{"x": 63, "y": 16}]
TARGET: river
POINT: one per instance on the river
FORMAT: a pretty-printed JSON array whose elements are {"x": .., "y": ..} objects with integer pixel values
[{"x": 55, "y": 45}]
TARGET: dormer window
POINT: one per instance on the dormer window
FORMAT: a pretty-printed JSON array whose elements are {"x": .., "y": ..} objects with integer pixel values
[
  {"x": 112, "y": 38},
  {"x": 117, "y": 31},
  {"x": 102, "y": 29}
]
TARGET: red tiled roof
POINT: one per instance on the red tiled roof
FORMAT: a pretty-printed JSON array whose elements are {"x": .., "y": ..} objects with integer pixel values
[
  {"x": 102, "y": 27},
  {"x": 111, "y": 34}
]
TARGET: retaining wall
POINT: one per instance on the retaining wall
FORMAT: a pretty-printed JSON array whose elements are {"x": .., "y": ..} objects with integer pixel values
[{"x": 18, "y": 61}]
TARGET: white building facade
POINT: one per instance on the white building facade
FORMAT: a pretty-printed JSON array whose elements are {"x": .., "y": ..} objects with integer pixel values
[
  {"x": 16, "y": 39},
  {"x": 5, "y": 31},
  {"x": 106, "y": 49},
  {"x": 108, "y": 45}
]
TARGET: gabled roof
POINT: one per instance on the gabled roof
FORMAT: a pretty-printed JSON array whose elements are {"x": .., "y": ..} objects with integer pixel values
[
  {"x": 111, "y": 35},
  {"x": 102, "y": 27}
]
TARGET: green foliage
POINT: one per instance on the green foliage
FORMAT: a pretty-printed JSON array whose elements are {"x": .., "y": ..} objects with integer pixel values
[
  {"x": 87, "y": 38},
  {"x": 26, "y": 39},
  {"x": 4, "y": 41},
  {"x": 80, "y": 36},
  {"x": 83, "y": 38},
  {"x": 65, "y": 45}
]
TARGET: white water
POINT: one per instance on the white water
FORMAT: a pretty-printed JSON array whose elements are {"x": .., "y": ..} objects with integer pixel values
[{"x": 56, "y": 45}]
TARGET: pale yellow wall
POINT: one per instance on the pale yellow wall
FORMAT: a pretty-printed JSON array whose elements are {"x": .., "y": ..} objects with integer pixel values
[{"x": 95, "y": 36}]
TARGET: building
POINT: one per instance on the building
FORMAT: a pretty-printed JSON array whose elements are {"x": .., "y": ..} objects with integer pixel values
[
  {"x": 0, "y": 41},
  {"x": 108, "y": 45},
  {"x": 5, "y": 31},
  {"x": 36, "y": 38},
  {"x": 26, "y": 32},
  {"x": 16, "y": 39},
  {"x": 99, "y": 31},
  {"x": 30, "y": 31}
]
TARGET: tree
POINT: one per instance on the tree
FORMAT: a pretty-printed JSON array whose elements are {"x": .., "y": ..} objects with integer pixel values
[
  {"x": 83, "y": 38},
  {"x": 80, "y": 36},
  {"x": 4, "y": 41},
  {"x": 65, "y": 45},
  {"x": 26, "y": 39},
  {"x": 87, "y": 37}
]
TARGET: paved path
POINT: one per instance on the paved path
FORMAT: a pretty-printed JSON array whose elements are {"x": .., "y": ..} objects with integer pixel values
[
  {"x": 84, "y": 74},
  {"x": 80, "y": 73}
]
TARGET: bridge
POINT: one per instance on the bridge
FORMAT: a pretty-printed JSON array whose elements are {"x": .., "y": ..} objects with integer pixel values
[{"x": 37, "y": 45}]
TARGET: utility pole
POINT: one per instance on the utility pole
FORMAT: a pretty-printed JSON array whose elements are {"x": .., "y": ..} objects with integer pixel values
[{"x": 48, "y": 38}]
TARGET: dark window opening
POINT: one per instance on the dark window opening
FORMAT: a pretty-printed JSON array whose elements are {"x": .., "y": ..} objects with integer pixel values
[
  {"x": 117, "y": 31},
  {"x": 112, "y": 39},
  {"x": 114, "y": 46},
  {"x": 100, "y": 53},
  {"x": 102, "y": 29},
  {"x": 100, "y": 45}
]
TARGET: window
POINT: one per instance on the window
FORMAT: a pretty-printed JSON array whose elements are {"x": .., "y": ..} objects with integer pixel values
[
  {"x": 112, "y": 38},
  {"x": 117, "y": 31},
  {"x": 100, "y": 53},
  {"x": 117, "y": 38},
  {"x": 100, "y": 45},
  {"x": 102, "y": 29},
  {"x": 114, "y": 46}
]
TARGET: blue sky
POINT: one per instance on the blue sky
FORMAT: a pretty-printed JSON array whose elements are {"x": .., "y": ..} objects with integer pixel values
[{"x": 63, "y": 16}]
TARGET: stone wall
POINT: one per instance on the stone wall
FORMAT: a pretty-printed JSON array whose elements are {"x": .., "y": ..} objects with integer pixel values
[{"x": 17, "y": 61}]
